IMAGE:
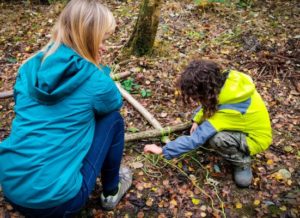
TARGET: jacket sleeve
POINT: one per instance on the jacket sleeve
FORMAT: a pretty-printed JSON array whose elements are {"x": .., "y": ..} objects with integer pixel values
[
  {"x": 107, "y": 97},
  {"x": 197, "y": 115},
  {"x": 184, "y": 144}
]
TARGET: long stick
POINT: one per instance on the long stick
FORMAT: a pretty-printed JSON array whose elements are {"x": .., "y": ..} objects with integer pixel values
[
  {"x": 156, "y": 133},
  {"x": 116, "y": 77}
]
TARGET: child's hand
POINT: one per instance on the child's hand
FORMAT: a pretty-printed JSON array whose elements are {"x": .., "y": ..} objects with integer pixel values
[
  {"x": 194, "y": 127},
  {"x": 152, "y": 148}
]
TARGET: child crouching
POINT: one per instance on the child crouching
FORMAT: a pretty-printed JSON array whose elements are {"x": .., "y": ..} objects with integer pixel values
[{"x": 232, "y": 118}]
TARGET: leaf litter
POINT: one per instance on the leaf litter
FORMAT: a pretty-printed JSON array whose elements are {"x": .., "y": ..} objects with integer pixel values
[{"x": 260, "y": 39}]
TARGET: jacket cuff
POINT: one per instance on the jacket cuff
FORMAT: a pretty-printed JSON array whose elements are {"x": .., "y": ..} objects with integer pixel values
[{"x": 165, "y": 153}]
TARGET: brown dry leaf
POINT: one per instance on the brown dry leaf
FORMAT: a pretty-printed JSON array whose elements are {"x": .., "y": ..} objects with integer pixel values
[
  {"x": 161, "y": 204},
  {"x": 173, "y": 202},
  {"x": 147, "y": 185},
  {"x": 139, "y": 186},
  {"x": 137, "y": 165},
  {"x": 203, "y": 214},
  {"x": 161, "y": 215},
  {"x": 149, "y": 202},
  {"x": 140, "y": 214},
  {"x": 188, "y": 214},
  {"x": 166, "y": 183}
]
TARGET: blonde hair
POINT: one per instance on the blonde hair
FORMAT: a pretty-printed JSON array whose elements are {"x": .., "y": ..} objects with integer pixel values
[{"x": 82, "y": 26}]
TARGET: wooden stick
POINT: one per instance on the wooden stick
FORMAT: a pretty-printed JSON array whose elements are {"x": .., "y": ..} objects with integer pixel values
[
  {"x": 116, "y": 77},
  {"x": 156, "y": 133},
  {"x": 119, "y": 76},
  {"x": 6, "y": 94}
]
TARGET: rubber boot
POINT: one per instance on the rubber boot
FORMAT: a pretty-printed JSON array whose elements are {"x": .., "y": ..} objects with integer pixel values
[{"x": 242, "y": 175}]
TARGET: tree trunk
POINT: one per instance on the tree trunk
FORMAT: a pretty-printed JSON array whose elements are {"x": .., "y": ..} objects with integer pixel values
[{"x": 143, "y": 36}]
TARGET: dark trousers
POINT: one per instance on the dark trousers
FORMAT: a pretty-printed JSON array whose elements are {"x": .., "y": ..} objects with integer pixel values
[
  {"x": 232, "y": 146},
  {"x": 104, "y": 156}
]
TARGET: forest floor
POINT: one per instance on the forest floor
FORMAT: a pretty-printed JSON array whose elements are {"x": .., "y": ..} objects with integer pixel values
[{"x": 261, "y": 39}]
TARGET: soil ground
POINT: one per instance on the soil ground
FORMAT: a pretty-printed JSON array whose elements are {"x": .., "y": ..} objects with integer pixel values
[{"x": 259, "y": 38}]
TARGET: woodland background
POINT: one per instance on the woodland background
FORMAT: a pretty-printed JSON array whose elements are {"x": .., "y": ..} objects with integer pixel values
[{"x": 259, "y": 38}]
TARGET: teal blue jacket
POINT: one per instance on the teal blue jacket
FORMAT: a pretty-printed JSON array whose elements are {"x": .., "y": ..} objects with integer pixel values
[{"x": 56, "y": 101}]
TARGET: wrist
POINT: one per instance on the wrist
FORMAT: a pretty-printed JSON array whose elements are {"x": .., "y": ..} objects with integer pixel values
[{"x": 160, "y": 150}]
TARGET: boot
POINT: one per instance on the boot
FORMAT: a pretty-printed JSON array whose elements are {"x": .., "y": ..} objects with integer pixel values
[
  {"x": 110, "y": 202},
  {"x": 242, "y": 175}
]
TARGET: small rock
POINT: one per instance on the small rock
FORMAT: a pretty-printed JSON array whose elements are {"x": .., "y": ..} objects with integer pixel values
[
  {"x": 285, "y": 173},
  {"x": 268, "y": 203}
]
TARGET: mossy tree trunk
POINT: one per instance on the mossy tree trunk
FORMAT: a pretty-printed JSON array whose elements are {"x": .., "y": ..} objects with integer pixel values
[{"x": 143, "y": 36}]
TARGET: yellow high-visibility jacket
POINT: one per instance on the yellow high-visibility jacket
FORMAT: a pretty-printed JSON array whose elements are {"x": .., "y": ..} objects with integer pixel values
[{"x": 240, "y": 108}]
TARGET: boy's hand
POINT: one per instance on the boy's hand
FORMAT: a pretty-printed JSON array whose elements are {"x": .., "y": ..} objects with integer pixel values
[
  {"x": 153, "y": 148},
  {"x": 194, "y": 127}
]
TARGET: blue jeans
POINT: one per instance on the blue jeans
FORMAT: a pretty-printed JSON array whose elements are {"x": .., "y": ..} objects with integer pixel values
[{"x": 104, "y": 155}]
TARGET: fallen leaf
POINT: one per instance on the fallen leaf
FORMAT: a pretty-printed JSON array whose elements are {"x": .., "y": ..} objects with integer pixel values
[
  {"x": 137, "y": 165},
  {"x": 270, "y": 162},
  {"x": 203, "y": 208},
  {"x": 256, "y": 202},
  {"x": 188, "y": 214},
  {"x": 288, "y": 148},
  {"x": 195, "y": 201},
  {"x": 203, "y": 214},
  {"x": 154, "y": 189},
  {"x": 163, "y": 114},
  {"x": 173, "y": 202},
  {"x": 140, "y": 214},
  {"x": 238, "y": 205},
  {"x": 147, "y": 185},
  {"x": 140, "y": 186},
  {"x": 283, "y": 208},
  {"x": 149, "y": 202}
]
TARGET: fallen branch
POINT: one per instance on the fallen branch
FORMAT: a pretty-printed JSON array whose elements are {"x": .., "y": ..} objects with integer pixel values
[
  {"x": 156, "y": 133},
  {"x": 6, "y": 94},
  {"x": 116, "y": 77},
  {"x": 140, "y": 108}
]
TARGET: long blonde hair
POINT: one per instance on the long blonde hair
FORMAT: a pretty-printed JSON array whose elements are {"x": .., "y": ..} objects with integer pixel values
[{"x": 82, "y": 26}]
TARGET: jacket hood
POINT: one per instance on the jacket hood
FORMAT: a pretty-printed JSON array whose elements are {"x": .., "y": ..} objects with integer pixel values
[
  {"x": 238, "y": 87},
  {"x": 56, "y": 77}
]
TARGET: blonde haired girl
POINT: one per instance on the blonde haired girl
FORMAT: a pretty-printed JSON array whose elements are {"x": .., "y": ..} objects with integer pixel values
[
  {"x": 67, "y": 128},
  {"x": 83, "y": 26}
]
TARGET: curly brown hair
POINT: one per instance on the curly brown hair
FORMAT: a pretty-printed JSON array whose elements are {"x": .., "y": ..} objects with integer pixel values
[{"x": 202, "y": 81}]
